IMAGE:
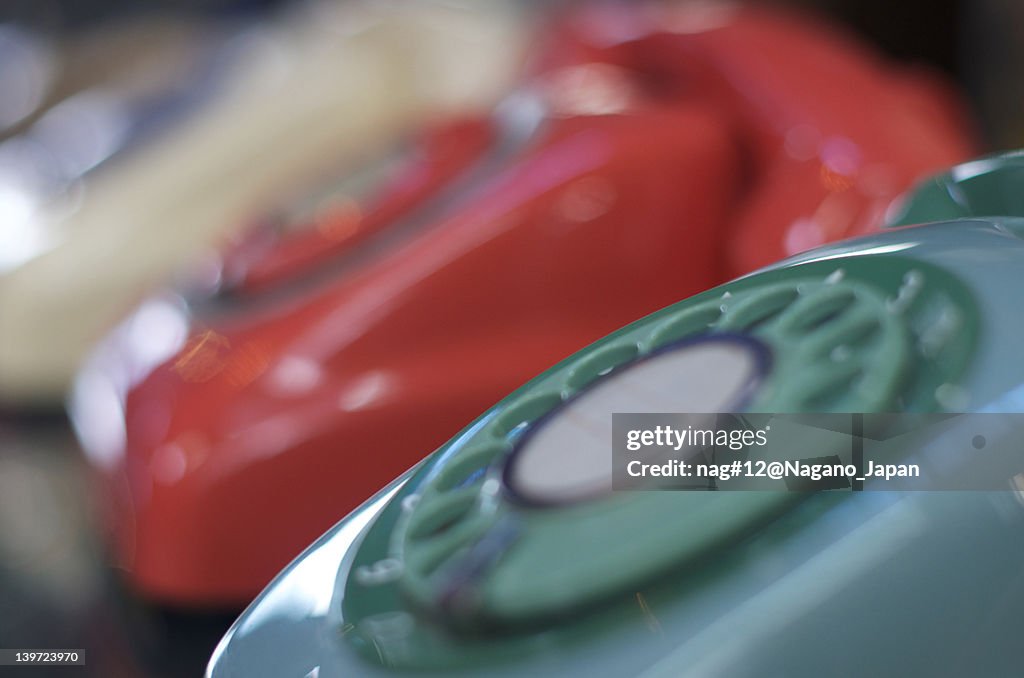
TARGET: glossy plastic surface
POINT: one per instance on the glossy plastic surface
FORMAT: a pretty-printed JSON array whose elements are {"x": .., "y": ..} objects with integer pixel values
[
  {"x": 986, "y": 186},
  {"x": 339, "y": 222},
  {"x": 650, "y": 171},
  {"x": 833, "y": 133},
  {"x": 844, "y": 569}
]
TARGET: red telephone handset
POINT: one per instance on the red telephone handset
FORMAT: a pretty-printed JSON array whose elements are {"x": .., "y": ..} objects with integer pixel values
[
  {"x": 648, "y": 159},
  {"x": 832, "y": 133}
]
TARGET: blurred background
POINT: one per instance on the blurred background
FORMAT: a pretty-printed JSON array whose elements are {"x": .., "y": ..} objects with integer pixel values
[{"x": 121, "y": 73}]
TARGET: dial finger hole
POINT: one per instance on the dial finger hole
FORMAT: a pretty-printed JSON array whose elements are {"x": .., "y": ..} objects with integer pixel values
[
  {"x": 600, "y": 364},
  {"x": 517, "y": 416},
  {"x": 468, "y": 467}
]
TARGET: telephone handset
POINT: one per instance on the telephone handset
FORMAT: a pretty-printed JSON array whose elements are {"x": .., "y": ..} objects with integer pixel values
[{"x": 832, "y": 134}]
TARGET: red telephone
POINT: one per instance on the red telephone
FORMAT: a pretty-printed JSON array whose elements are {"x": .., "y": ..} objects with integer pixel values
[{"x": 655, "y": 152}]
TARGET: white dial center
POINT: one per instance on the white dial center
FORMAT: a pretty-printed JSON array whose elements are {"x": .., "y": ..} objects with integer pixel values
[{"x": 568, "y": 457}]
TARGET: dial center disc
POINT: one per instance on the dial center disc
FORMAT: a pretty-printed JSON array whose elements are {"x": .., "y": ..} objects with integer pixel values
[{"x": 567, "y": 456}]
